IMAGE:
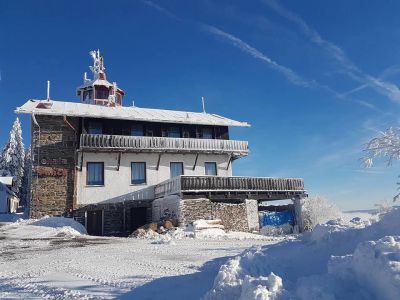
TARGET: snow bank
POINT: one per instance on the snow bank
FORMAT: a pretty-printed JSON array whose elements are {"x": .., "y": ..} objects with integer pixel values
[
  {"x": 339, "y": 260},
  {"x": 45, "y": 228},
  {"x": 276, "y": 230},
  {"x": 67, "y": 224}
]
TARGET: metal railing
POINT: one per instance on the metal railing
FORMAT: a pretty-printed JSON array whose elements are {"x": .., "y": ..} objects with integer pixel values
[{"x": 140, "y": 143}]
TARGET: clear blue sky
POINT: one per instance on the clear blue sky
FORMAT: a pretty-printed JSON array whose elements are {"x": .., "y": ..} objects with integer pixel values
[{"x": 316, "y": 79}]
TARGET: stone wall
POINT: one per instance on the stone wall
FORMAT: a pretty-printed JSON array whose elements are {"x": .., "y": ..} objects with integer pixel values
[
  {"x": 54, "y": 145},
  {"x": 234, "y": 216}
]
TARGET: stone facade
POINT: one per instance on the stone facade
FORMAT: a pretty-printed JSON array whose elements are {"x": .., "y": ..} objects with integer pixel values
[
  {"x": 234, "y": 216},
  {"x": 54, "y": 145}
]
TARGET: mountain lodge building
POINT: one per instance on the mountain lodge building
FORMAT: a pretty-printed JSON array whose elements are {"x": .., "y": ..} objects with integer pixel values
[{"x": 115, "y": 168}]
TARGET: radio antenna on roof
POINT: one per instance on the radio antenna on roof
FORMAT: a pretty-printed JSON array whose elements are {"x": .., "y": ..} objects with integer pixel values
[{"x": 48, "y": 90}]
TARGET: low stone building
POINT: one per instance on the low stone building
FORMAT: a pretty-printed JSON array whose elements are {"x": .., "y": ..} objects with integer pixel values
[{"x": 115, "y": 168}]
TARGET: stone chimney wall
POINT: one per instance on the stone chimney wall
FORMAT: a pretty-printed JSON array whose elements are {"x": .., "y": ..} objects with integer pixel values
[{"x": 53, "y": 171}]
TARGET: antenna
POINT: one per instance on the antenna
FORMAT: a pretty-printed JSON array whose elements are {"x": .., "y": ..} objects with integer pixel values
[
  {"x": 133, "y": 103},
  {"x": 203, "y": 103},
  {"x": 48, "y": 90}
]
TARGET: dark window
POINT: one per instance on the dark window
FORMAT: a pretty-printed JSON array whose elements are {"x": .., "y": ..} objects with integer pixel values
[
  {"x": 207, "y": 133},
  {"x": 95, "y": 128},
  {"x": 95, "y": 173},
  {"x": 101, "y": 92},
  {"x": 87, "y": 95},
  {"x": 174, "y": 132},
  {"x": 210, "y": 168},
  {"x": 176, "y": 169},
  {"x": 137, "y": 130},
  {"x": 138, "y": 172}
]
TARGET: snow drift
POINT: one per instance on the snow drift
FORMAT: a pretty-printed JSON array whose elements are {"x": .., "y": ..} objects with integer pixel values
[
  {"x": 45, "y": 227},
  {"x": 338, "y": 260}
]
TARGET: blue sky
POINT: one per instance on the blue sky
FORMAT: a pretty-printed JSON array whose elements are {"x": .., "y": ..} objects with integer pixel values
[{"x": 316, "y": 79}]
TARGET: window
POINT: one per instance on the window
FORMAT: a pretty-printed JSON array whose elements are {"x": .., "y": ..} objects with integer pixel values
[
  {"x": 101, "y": 92},
  {"x": 174, "y": 132},
  {"x": 210, "y": 168},
  {"x": 95, "y": 127},
  {"x": 176, "y": 169},
  {"x": 87, "y": 95},
  {"x": 207, "y": 133},
  {"x": 95, "y": 173},
  {"x": 137, "y": 130},
  {"x": 138, "y": 172}
]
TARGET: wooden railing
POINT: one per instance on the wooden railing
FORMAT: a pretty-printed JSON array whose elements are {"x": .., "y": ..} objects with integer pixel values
[
  {"x": 140, "y": 143},
  {"x": 229, "y": 184}
]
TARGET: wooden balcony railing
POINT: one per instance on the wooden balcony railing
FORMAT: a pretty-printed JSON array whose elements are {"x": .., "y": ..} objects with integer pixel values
[
  {"x": 162, "y": 144},
  {"x": 198, "y": 184}
]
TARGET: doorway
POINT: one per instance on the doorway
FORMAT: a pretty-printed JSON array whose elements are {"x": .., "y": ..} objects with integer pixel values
[
  {"x": 94, "y": 222},
  {"x": 138, "y": 217}
]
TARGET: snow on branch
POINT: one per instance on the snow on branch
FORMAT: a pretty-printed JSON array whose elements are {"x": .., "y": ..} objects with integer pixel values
[{"x": 387, "y": 145}]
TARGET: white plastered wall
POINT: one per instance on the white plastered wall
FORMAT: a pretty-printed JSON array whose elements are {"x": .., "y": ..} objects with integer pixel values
[{"x": 118, "y": 182}]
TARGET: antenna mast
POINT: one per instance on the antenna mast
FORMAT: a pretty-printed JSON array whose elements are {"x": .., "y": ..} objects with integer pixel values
[
  {"x": 203, "y": 103},
  {"x": 48, "y": 90}
]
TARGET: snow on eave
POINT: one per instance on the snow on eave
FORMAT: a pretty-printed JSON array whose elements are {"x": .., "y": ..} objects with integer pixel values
[
  {"x": 7, "y": 180},
  {"x": 75, "y": 109}
]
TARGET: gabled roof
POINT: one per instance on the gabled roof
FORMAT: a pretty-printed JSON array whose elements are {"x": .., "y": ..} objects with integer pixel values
[{"x": 74, "y": 109}]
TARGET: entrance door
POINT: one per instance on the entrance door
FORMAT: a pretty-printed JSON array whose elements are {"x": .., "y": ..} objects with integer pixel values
[
  {"x": 94, "y": 222},
  {"x": 138, "y": 217}
]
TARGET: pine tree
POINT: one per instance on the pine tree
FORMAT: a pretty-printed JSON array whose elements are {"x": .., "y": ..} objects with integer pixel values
[
  {"x": 12, "y": 157},
  {"x": 26, "y": 179}
]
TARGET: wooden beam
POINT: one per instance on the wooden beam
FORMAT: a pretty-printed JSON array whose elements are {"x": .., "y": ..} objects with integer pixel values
[
  {"x": 158, "y": 162},
  {"x": 195, "y": 161},
  {"x": 80, "y": 163},
  {"x": 119, "y": 160},
  {"x": 229, "y": 162}
]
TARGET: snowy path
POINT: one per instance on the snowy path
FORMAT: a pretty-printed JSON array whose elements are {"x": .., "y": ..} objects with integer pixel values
[{"x": 85, "y": 267}]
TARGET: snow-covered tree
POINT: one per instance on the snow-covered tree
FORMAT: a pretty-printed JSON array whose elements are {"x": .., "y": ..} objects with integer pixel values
[
  {"x": 385, "y": 145},
  {"x": 12, "y": 157},
  {"x": 318, "y": 210},
  {"x": 26, "y": 179}
]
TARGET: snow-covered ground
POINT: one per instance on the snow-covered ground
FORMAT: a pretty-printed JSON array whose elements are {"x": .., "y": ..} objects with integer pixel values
[
  {"x": 342, "y": 259},
  {"x": 52, "y": 259},
  {"x": 356, "y": 257}
]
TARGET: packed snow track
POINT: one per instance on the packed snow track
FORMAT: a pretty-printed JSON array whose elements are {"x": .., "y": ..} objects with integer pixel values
[{"x": 60, "y": 263}]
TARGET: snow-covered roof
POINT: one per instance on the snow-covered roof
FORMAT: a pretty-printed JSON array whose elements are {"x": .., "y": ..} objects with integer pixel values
[
  {"x": 7, "y": 180},
  {"x": 74, "y": 109},
  {"x": 96, "y": 82}
]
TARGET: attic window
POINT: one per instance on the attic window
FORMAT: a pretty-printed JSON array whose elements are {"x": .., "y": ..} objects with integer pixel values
[{"x": 45, "y": 105}]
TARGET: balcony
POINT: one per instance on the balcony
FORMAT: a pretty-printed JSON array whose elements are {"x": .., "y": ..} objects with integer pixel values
[
  {"x": 102, "y": 142},
  {"x": 260, "y": 188}
]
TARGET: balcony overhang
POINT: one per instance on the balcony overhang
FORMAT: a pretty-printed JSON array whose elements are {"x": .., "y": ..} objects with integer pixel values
[
  {"x": 232, "y": 188},
  {"x": 113, "y": 143}
]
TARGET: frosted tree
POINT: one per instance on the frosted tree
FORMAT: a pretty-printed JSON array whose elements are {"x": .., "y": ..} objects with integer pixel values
[
  {"x": 12, "y": 157},
  {"x": 386, "y": 145},
  {"x": 26, "y": 179},
  {"x": 318, "y": 210}
]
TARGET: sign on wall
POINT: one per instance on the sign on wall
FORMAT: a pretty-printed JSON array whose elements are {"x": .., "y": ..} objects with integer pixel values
[{"x": 51, "y": 172}]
